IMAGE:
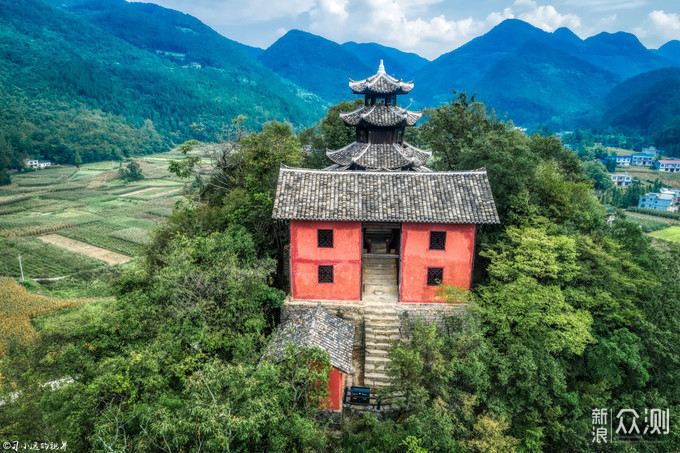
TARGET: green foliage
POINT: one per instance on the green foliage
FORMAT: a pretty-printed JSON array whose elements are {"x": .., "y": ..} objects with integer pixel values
[
  {"x": 599, "y": 173},
  {"x": 656, "y": 212},
  {"x": 132, "y": 172},
  {"x": 73, "y": 88}
]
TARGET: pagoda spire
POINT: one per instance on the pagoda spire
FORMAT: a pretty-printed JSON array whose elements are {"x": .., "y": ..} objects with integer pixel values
[{"x": 381, "y": 68}]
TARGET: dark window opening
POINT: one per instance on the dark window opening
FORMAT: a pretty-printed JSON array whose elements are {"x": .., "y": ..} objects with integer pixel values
[
  {"x": 325, "y": 274},
  {"x": 437, "y": 240},
  {"x": 324, "y": 238},
  {"x": 435, "y": 275}
]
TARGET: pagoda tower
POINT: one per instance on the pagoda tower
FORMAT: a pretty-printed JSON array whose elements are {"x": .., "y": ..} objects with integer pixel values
[{"x": 380, "y": 123}]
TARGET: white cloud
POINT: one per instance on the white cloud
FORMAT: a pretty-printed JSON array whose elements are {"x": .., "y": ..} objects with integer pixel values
[
  {"x": 658, "y": 28},
  {"x": 544, "y": 17},
  {"x": 410, "y": 25}
]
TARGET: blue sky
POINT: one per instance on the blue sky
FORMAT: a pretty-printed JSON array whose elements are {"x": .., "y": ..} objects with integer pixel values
[{"x": 428, "y": 27}]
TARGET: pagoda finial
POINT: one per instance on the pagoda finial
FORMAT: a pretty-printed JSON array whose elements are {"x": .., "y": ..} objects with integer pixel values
[{"x": 381, "y": 68}]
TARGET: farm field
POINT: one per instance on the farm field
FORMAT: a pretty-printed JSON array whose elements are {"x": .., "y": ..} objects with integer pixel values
[
  {"x": 90, "y": 205},
  {"x": 649, "y": 175},
  {"x": 669, "y": 234}
]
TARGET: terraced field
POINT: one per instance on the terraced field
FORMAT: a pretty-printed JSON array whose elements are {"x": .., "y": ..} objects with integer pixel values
[{"x": 90, "y": 205}]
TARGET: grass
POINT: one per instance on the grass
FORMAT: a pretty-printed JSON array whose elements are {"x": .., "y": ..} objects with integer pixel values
[
  {"x": 41, "y": 260},
  {"x": 17, "y": 307},
  {"x": 649, "y": 175},
  {"x": 669, "y": 234},
  {"x": 89, "y": 197}
]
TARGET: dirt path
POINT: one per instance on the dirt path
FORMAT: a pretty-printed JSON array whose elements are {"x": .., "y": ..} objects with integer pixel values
[
  {"x": 85, "y": 249},
  {"x": 140, "y": 191},
  {"x": 159, "y": 194}
]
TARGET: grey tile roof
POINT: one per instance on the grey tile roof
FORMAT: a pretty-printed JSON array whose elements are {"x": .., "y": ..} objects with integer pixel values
[
  {"x": 380, "y": 83},
  {"x": 371, "y": 156},
  {"x": 381, "y": 116},
  {"x": 317, "y": 328},
  {"x": 404, "y": 196}
]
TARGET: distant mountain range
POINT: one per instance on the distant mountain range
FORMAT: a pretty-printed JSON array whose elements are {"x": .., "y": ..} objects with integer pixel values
[
  {"x": 526, "y": 74},
  {"x": 144, "y": 70}
]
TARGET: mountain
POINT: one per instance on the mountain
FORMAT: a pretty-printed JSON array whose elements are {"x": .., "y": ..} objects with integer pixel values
[
  {"x": 397, "y": 63},
  {"x": 670, "y": 51},
  {"x": 536, "y": 76},
  {"x": 67, "y": 86},
  {"x": 650, "y": 107},
  {"x": 316, "y": 64},
  {"x": 462, "y": 68},
  {"x": 621, "y": 53},
  {"x": 622, "y": 92},
  {"x": 168, "y": 33},
  {"x": 540, "y": 83}
]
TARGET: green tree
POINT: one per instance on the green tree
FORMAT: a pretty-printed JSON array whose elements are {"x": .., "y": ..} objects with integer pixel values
[{"x": 132, "y": 172}]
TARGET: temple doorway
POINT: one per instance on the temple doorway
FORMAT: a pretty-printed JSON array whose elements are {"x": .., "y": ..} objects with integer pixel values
[{"x": 380, "y": 264}]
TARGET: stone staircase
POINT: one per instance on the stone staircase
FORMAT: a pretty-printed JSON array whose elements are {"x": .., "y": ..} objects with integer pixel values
[{"x": 380, "y": 296}]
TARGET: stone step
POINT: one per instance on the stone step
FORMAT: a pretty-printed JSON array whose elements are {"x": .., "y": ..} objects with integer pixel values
[
  {"x": 390, "y": 331},
  {"x": 376, "y": 380},
  {"x": 372, "y": 347}
]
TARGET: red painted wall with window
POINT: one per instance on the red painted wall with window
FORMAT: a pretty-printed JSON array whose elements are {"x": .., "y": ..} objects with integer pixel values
[
  {"x": 306, "y": 257},
  {"x": 416, "y": 258},
  {"x": 334, "y": 400}
]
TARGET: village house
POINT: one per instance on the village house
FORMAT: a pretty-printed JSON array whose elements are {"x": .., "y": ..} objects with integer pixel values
[
  {"x": 621, "y": 179},
  {"x": 642, "y": 159},
  {"x": 660, "y": 201},
  {"x": 373, "y": 236},
  {"x": 620, "y": 160},
  {"x": 667, "y": 165},
  {"x": 35, "y": 163}
]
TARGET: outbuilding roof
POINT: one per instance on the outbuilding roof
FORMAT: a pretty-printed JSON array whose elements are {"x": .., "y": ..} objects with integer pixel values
[
  {"x": 317, "y": 328},
  {"x": 403, "y": 196}
]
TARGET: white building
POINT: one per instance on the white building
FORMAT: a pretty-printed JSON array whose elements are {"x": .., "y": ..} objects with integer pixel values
[{"x": 621, "y": 179}]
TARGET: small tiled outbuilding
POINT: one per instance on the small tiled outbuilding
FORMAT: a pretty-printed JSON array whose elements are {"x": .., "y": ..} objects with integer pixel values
[{"x": 319, "y": 328}]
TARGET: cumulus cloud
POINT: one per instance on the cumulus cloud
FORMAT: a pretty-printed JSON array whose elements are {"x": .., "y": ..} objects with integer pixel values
[
  {"x": 410, "y": 25},
  {"x": 545, "y": 17},
  {"x": 658, "y": 28}
]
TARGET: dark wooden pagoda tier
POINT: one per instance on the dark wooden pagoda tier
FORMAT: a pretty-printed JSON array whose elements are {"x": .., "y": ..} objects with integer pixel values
[
  {"x": 381, "y": 116},
  {"x": 377, "y": 157},
  {"x": 381, "y": 84}
]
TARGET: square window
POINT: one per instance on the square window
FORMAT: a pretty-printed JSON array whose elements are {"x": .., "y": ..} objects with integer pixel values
[
  {"x": 435, "y": 275},
  {"x": 325, "y": 274},
  {"x": 324, "y": 238},
  {"x": 437, "y": 240}
]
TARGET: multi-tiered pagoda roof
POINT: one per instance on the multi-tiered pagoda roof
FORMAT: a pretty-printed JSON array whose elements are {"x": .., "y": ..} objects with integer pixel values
[{"x": 380, "y": 127}]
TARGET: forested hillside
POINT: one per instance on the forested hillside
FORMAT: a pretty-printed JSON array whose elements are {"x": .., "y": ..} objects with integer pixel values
[
  {"x": 321, "y": 66},
  {"x": 68, "y": 87}
]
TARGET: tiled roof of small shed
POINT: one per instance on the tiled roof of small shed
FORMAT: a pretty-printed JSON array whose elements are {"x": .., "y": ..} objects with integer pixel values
[
  {"x": 317, "y": 328},
  {"x": 435, "y": 197}
]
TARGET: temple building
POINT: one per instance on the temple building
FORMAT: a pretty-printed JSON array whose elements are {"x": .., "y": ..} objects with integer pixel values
[{"x": 375, "y": 234}]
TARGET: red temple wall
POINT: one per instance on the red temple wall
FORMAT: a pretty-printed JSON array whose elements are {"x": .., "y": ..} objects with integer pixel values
[
  {"x": 306, "y": 256},
  {"x": 334, "y": 400},
  {"x": 416, "y": 257}
]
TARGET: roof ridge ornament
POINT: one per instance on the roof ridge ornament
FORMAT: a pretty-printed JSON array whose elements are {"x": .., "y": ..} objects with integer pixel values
[{"x": 381, "y": 68}]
